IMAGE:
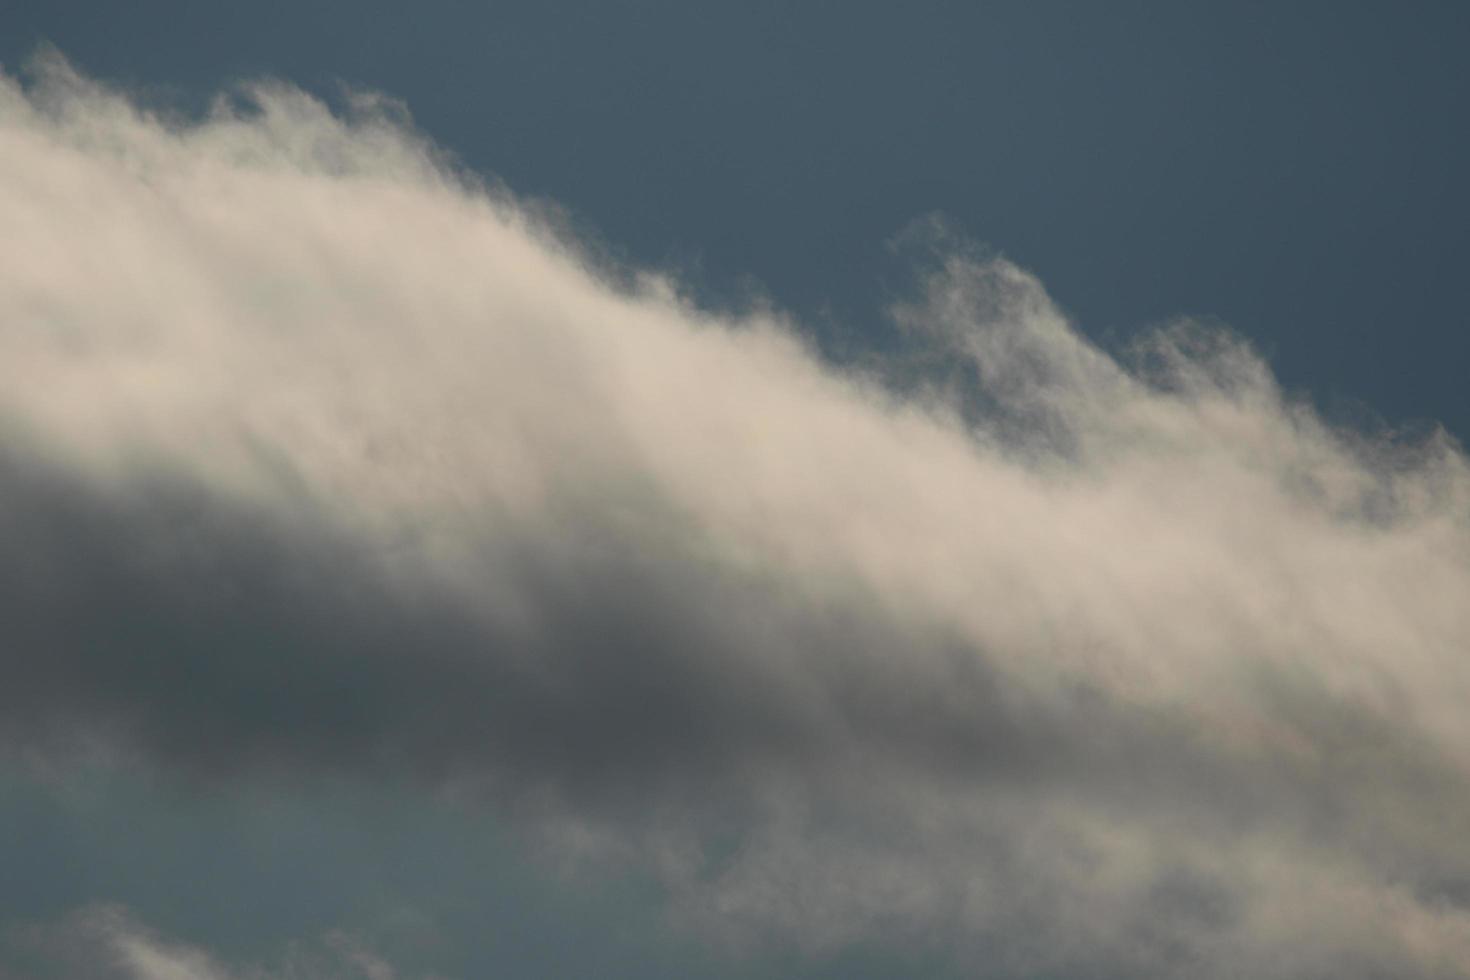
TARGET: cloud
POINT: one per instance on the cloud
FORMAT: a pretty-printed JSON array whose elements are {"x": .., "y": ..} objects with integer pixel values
[
  {"x": 320, "y": 456},
  {"x": 106, "y": 942}
]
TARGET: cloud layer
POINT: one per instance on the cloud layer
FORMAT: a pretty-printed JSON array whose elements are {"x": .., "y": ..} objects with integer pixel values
[{"x": 317, "y": 456}]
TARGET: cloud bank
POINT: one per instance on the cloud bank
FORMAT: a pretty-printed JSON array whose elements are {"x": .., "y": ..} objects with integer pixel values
[{"x": 319, "y": 457}]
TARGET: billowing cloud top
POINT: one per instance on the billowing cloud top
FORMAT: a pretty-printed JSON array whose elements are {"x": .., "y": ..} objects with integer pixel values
[{"x": 318, "y": 457}]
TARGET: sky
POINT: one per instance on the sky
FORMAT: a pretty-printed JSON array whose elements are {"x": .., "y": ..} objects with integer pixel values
[{"x": 816, "y": 490}]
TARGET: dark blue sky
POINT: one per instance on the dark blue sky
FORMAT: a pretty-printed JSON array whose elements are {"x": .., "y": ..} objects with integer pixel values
[{"x": 1296, "y": 170}]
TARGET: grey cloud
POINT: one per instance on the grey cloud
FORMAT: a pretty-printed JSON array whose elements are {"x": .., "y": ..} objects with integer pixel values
[
  {"x": 318, "y": 457},
  {"x": 105, "y": 942}
]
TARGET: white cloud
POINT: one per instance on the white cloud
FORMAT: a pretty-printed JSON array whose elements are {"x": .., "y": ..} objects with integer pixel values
[{"x": 324, "y": 456}]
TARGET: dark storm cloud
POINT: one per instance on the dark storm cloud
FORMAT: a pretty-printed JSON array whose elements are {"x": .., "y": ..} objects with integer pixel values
[{"x": 318, "y": 459}]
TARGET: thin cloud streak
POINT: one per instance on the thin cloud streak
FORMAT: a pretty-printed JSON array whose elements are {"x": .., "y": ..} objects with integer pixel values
[
  {"x": 106, "y": 942},
  {"x": 319, "y": 456}
]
